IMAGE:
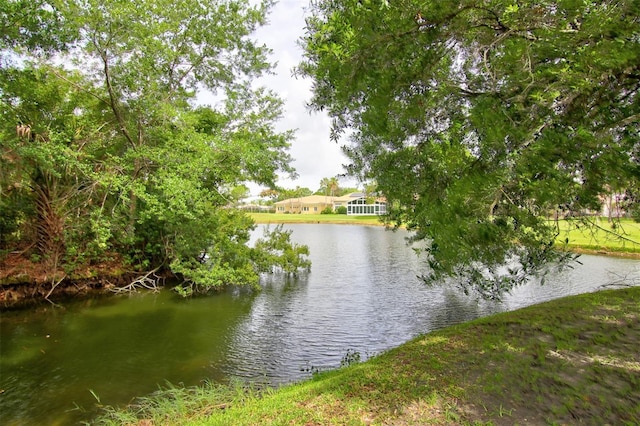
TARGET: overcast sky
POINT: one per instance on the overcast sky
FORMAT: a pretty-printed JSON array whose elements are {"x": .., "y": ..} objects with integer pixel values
[{"x": 315, "y": 156}]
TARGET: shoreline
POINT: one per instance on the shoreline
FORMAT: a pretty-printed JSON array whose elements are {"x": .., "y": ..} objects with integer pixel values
[
  {"x": 593, "y": 252},
  {"x": 565, "y": 361},
  {"x": 23, "y": 295},
  {"x": 28, "y": 286},
  {"x": 263, "y": 219}
]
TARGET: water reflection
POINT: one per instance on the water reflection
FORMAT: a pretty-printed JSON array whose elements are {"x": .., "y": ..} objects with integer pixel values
[
  {"x": 55, "y": 360},
  {"x": 362, "y": 295}
]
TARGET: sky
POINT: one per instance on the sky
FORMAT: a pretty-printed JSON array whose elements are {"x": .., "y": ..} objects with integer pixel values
[{"x": 315, "y": 156}]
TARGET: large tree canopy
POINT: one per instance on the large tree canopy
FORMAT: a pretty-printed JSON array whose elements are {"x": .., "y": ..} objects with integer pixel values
[
  {"x": 104, "y": 150},
  {"x": 478, "y": 119}
]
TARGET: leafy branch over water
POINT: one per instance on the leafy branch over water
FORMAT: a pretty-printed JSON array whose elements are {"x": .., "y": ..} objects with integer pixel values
[{"x": 274, "y": 252}]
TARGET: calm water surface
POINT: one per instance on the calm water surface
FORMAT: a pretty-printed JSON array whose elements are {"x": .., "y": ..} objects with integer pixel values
[{"x": 361, "y": 295}]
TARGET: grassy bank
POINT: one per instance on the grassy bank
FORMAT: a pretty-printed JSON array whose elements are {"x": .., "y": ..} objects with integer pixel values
[
  {"x": 596, "y": 239},
  {"x": 600, "y": 237},
  {"x": 274, "y": 218},
  {"x": 569, "y": 361}
]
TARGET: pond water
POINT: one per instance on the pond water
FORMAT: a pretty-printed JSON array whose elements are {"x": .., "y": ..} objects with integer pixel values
[{"x": 361, "y": 295}]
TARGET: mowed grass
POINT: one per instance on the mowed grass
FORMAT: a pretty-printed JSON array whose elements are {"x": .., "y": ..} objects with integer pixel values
[
  {"x": 600, "y": 235},
  {"x": 570, "y": 361},
  {"x": 589, "y": 234},
  {"x": 269, "y": 218}
]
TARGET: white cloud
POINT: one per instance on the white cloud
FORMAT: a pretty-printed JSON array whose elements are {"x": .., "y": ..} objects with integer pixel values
[{"x": 315, "y": 156}]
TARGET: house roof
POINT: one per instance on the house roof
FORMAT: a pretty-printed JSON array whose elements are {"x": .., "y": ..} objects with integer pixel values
[
  {"x": 349, "y": 197},
  {"x": 311, "y": 199},
  {"x": 357, "y": 195},
  {"x": 324, "y": 199}
]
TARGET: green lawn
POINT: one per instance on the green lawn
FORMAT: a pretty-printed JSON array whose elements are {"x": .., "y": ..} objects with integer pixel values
[
  {"x": 315, "y": 218},
  {"x": 621, "y": 236},
  {"x": 597, "y": 238}
]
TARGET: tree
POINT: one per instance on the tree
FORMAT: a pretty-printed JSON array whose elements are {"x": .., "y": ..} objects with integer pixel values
[
  {"x": 37, "y": 25},
  {"x": 269, "y": 193},
  {"x": 345, "y": 191},
  {"x": 47, "y": 178},
  {"x": 297, "y": 192},
  {"x": 329, "y": 186},
  {"x": 111, "y": 154},
  {"x": 370, "y": 189},
  {"x": 477, "y": 119},
  {"x": 631, "y": 202}
]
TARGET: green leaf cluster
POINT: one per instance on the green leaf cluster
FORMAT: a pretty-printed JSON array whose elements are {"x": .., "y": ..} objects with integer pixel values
[
  {"x": 478, "y": 120},
  {"x": 106, "y": 153}
]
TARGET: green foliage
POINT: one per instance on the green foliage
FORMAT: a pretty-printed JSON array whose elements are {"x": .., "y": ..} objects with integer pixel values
[
  {"x": 297, "y": 192},
  {"x": 350, "y": 358},
  {"x": 230, "y": 261},
  {"x": 276, "y": 253},
  {"x": 36, "y": 25},
  {"x": 329, "y": 186},
  {"x": 172, "y": 402},
  {"x": 630, "y": 201},
  {"x": 341, "y": 210},
  {"x": 345, "y": 191},
  {"x": 107, "y": 153},
  {"x": 327, "y": 210},
  {"x": 475, "y": 121},
  {"x": 11, "y": 211}
]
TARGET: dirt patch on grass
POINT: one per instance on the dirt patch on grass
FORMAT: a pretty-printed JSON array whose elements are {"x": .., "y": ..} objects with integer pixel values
[{"x": 580, "y": 368}]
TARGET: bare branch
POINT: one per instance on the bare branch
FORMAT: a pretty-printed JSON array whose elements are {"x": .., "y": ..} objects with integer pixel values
[{"x": 143, "y": 281}]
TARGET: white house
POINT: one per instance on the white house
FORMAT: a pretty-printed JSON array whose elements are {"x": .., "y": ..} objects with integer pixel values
[
  {"x": 312, "y": 204},
  {"x": 358, "y": 204}
]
